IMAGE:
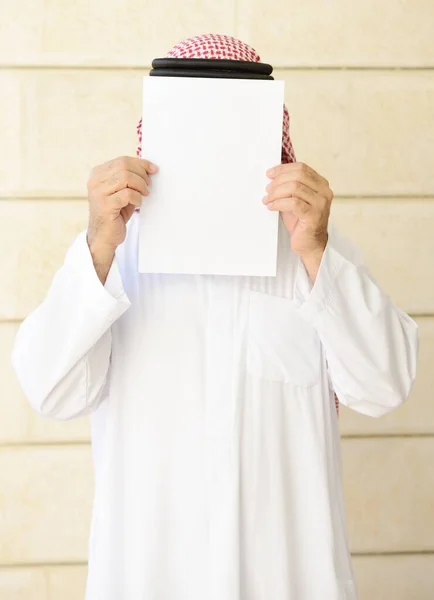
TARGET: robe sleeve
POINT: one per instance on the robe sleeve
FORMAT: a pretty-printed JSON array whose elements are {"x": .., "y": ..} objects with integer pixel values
[
  {"x": 62, "y": 350},
  {"x": 371, "y": 346}
]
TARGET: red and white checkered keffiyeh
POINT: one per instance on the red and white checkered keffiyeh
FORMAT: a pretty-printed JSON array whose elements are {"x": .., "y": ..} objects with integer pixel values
[{"x": 216, "y": 46}]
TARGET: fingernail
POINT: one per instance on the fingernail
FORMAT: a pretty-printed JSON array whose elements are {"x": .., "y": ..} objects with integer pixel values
[
  {"x": 271, "y": 172},
  {"x": 153, "y": 167},
  {"x": 264, "y": 199}
]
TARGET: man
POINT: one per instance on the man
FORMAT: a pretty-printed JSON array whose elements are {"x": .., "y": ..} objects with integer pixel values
[{"x": 214, "y": 429}]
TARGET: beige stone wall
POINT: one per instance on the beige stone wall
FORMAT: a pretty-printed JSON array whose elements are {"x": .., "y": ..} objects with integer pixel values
[{"x": 360, "y": 88}]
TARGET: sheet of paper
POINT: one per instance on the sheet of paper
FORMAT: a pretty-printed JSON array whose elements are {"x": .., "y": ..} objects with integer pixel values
[{"x": 213, "y": 140}]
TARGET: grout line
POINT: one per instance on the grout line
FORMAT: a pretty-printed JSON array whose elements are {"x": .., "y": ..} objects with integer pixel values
[
  {"x": 41, "y": 198},
  {"x": 17, "y": 197},
  {"x": 146, "y": 67},
  {"x": 16, "y": 321},
  {"x": 35, "y": 565},
  {"x": 374, "y": 436},
  {"x": 72, "y": 67},
  {"x": 235, "y": 19},
  {"x": 43, "y": 443},
  {"x": 81, "y": 563},
  {"x": 381, "y": 197},
  {"x": 22, "y": 131},
  {"x": 86, "y": 442},
  {"x": 354, "y": 68},
  {"x": 395, "y": 553}
]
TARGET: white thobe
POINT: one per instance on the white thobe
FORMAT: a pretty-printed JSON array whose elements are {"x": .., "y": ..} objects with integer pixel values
[{"x": 214, "y": 430}]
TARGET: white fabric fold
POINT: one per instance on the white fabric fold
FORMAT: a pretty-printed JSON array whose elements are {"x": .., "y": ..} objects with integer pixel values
[{"x": 68, "y": 337}]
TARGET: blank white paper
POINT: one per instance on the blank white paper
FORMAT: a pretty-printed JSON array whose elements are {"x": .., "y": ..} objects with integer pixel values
[{"x": 213, "y": 140}]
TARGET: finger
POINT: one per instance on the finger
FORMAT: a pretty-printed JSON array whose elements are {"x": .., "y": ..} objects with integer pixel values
[
  {"x": 292, "y": 189},
  {"x": 298, "y": 207},
  {"x": 131, "y": 163},
  {"x": 109, "y": 178},
  {"x": 139, "y": 166},
  {"x": 298, "y": 172},
  {"x": 288, "y": 177},
  {"x": 292, "y": 167},
  {"x": 125, "y": 179},
  {"x": 125, "y": 197},
  {"x": 149, "y": 166}
]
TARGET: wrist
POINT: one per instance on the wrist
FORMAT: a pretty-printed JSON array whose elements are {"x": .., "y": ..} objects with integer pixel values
[
  {"x": 99, "y": 245},
  {"x": 312, "y": 260},
  {"x": 102, "y": 256},
  {"x": 317, "y": 251}
]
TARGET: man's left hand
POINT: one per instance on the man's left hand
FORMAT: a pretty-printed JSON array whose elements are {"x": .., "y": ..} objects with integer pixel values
[{"x": 303, "y": 197}]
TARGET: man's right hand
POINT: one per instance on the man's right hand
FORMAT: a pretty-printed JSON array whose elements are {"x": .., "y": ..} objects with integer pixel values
[{"x": 115, "y": 190}]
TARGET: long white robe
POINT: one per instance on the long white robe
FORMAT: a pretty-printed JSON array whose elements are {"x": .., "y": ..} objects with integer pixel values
[{"x": 214, "y": 430}]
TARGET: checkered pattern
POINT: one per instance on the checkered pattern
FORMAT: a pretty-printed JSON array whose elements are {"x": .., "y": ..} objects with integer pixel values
[{"x": 216, "y": 46}]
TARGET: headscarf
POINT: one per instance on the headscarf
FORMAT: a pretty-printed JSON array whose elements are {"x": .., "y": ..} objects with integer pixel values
[{"x": 215, "y": 46}]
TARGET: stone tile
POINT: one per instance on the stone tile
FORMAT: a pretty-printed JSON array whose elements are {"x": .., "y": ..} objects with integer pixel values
[
  {"x": 397, "y": 243},
  {"x": 23, "y": 584},
  {"x": 35, "y": 236},
  {"x": 18, "y": 423},
  {"x": 11, "y": 131},
  {"x": 45, "y": 504},
  {"x": 402, "y": 577},
  {"x": 338, "y": 32},
  {"x": 389, "y": 488},
  {"x": 77, "y": 120},
  {"x": 366, "y": 132},
  {"x": 66, "y": 583},
  {"x": 104, "y": 33},
  {"x": 415, "y": 416}
]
